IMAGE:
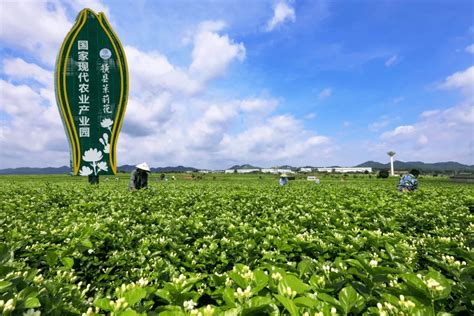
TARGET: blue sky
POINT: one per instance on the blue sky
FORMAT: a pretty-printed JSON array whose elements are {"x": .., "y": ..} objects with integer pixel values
[{"x": 214, "y": 83}]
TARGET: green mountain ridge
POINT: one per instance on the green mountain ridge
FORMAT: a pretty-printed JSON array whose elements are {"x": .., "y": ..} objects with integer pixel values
[
  {"x": 244, "y": 166},
  {"x": 422, "y": 166}
]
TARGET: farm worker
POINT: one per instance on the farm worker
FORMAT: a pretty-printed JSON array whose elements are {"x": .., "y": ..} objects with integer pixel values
[
  {"x": 408, "y": 183},
  {"x": 139, "y": 177},
  {"x": 283, "y": 179},
  {"x": 317, "y": 181}
]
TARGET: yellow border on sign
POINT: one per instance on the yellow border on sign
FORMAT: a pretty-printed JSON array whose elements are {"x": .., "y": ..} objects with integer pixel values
[
  {"x": 122, "y": 102},
  {"x": 67, "y": 115}
]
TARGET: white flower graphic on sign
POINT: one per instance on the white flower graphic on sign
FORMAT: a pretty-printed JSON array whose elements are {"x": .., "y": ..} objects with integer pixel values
[
  {"x": 103, "y": 166},
  {"x": 107, "y": 123},
  {"x": 85, "y": 171},
  {"x": 105, "y": 142},
  {"x": 94, "y": 156}
]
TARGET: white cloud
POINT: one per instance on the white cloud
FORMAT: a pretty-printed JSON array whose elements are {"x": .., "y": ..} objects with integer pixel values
[
  {"x": 470, "y": 49},
  {"x": 404, "y": 130},
  {"x": 151, "y": 71},
  {"x": 147, "y": 114},
  {"x": 18, "y": 69},
  {"x": 382, "y": 122},
  {"x": 422, "y": 139},
  {"x": 426, "y": 114},
  {"x": 462, "y": 80},
  {"x": 34, "y": 129},
  {"x": 19, "y": 100},
  {"x": 38, "y": 27},
  {"x": 213, "y": 53},
  {"x": 325, "y": 93},
  {"x": 279, "y": 139},
  {"x": 95, "y": 5},
  {"x": 282, "y": 13},
  {"x": 208, "y": 130},
  {"x": 258, "y": 105},
  {"x": 391, "y": 61}
]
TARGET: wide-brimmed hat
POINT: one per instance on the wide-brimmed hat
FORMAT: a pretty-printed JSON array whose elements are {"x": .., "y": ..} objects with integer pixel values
[
  {"x": 143, "y": 166},
  {"x": 283, "y": 175}
]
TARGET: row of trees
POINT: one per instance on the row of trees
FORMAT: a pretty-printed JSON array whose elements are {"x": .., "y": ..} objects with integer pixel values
[{"x": 385, "y": 173}]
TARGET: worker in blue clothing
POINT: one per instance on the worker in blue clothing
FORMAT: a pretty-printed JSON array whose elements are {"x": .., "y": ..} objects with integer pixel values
[
  {"x": 408, "y": 183},
  {"x": 283, "y": 179}
]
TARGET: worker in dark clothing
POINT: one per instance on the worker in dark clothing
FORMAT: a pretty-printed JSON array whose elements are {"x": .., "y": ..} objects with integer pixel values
[{"x": 139, "y": 177}]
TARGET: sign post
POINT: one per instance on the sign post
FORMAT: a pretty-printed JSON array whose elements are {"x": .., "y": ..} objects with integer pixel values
[{"x": 91, "y": 83}]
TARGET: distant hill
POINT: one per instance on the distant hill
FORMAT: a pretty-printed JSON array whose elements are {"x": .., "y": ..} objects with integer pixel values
[
  {"x": 427, "y": 167},
  {"x": 126, "y": 168},
  {"x": 130, "y": 168},
  {"x": 245, "y": 166},
  {"x": 374, "y": 165},
  {"x": 288, "y": 167},
  {"x": 173, "y": 169},
  {"x": 28, "y": 170}
]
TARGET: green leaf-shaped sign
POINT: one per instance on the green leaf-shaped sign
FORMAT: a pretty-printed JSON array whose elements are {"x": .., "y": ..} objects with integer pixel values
[{"x": 92, "y": 90}]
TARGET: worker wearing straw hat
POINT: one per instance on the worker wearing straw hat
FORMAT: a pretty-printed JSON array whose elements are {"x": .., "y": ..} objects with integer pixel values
[
  {"x": 283, "y": 179},
  {"x": 139, "y": 177}
]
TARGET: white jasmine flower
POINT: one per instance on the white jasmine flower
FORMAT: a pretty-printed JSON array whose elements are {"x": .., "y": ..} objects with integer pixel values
[
  {"x": 32, "y": 312},
  {"x": 9, "y": 305},
  {"x": 434, "y": 285},
  {"x": 209, "y": 310},
  {"x": 189, "y": 305},
  {"x": 277, "y": 276}
]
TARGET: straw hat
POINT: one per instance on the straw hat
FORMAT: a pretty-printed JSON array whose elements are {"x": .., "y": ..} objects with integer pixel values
[
  {"x": 283, "y": 175},
  {"x": 143, "y": 166}
]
